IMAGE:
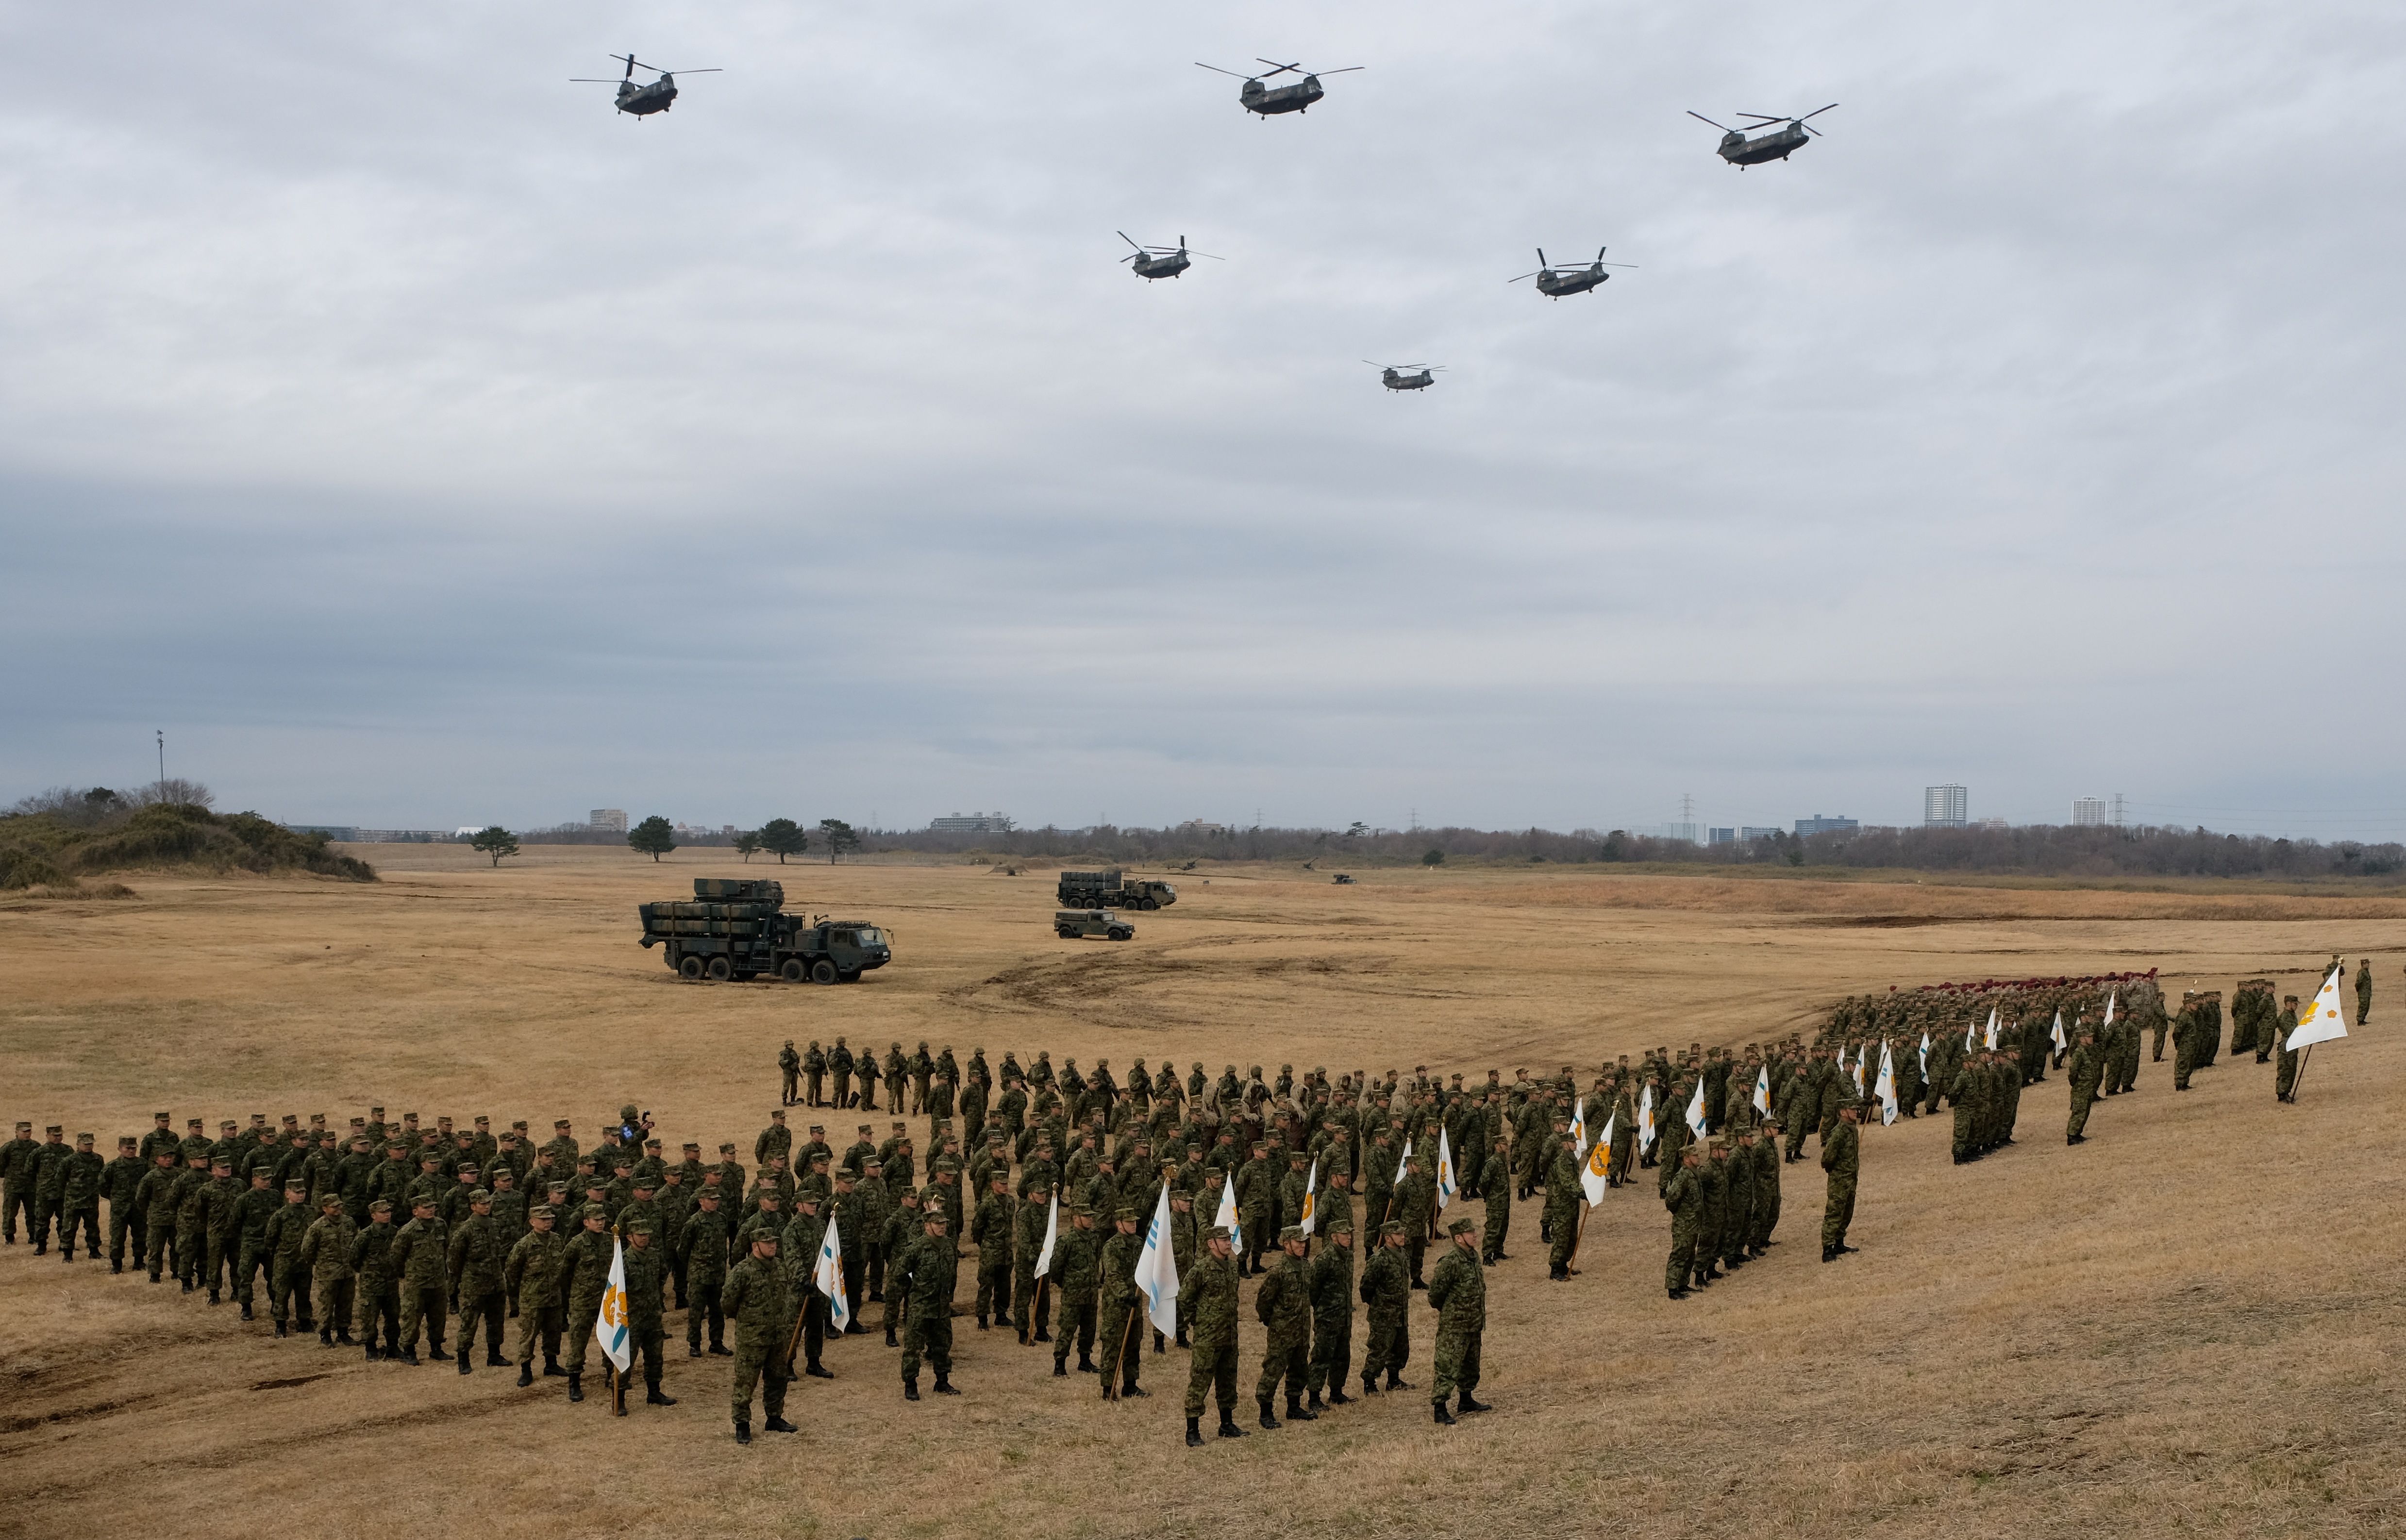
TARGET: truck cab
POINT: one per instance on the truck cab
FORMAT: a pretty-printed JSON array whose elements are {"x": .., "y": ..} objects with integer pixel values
[{"x": 1070, "y": 924}]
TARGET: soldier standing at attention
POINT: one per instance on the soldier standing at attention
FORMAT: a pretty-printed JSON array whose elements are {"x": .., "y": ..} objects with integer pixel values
[
  {"x": 1563, "y": 1199},
  {"x": 2363, "y": 991},
  {"x": 1283, "y": 1303},
  {"x": 1120, "y": 1305},
  {"x": 1332, "y": 1309},
  {"x": 991, "y": 1232},
  {"x": 790, "y": 1074},
  {"x": 421, "y": 1257},
  {"x": 287, "y": 1228},
  {"x": 122, "y": 1180},
  {"x": 1386, "y": 1289},
  {"x": 1842, "y": 1157},
  {"x": 775, "y": 1139},
  {"x": 1074, "y": 1260},
  {"x": 18, "y": 1158},
  {"x": 1762, "y": 1147},
  {"x": 2088, "y": 1071},
  {"x": 80, "y": 1183},
  {"x": 1458, "y": 1293},
  {"x": 646, "y": 1273},
  {"x": 1207, "y": 1297},
  {"x": 533, "y": 1274},
  {"x": 1683, "y": 1193},
  {"x": 814, "y": 1072},
  {"x": 1029, "y": 1314},
  {"x": 251, "y": 1212},
  {"x": 838, "y": 1063},
  {"x": 1495, "y": 1185},
  {"x": 758, "y": 1299},
  {"x": 705, "y": 1243},
  {"x": 587, "y": 1273},
  {"x": 156, "y": 1199},
  {"x": 326, "y": 1250},
  {"x": 380, "y": 1283},
  {"x": 479, "y": 1250},
  {"x": 930, "y": 1271},
  {"x": 2285, "y": 1073}
]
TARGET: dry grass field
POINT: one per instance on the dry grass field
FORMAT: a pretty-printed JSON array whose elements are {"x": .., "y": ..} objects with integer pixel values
[{"x": 2191, "y": 1325}]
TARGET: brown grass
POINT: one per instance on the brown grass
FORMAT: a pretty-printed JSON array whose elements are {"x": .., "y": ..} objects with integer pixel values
[{"x": 2189, "y": 1326}]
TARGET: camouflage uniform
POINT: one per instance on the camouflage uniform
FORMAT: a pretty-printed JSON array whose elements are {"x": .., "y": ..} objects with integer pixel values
[
  {"x": 421, "y": 1255},
  {"x": 1386, "y": 1289},
  {"x": 532, "y": 1276},
  {"x": 1842, "y": 1158},
  {"x": 1283, "y": 1303},
  {"x": 758, "y": 1298},
  {"x": 1207, "y": 1295},
  {"x": 287, "y": 1228},
  {"x": 1458, "y": 1293},
  {"x": 1332, "y": 1304},
  {"x": 478, "y": 1256},
  {"x": 1074, "y": 1257},
  {"x": 326, "y": 1252},
  {"x": 704, "y": 1243},
  {"x": 1119, "y": 1307},
  {"x": 1684, "y": 1195},
  {"x": 930, "y": 1272}
]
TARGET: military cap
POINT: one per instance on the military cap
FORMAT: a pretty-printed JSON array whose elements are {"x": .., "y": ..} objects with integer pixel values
[
  {"x": 639, "y": 1228},
  {"x": 381, "y": 1206},
  {"x": 1035, "y": 1185},
  {"x": 1392, "y": 1227},
  {"x": 331, "y": 1200},
  {"x": 1293, "y": 1232},
  {"x": 85, "y": 1138},
  {"x": 1460, "y": 1227},
  {"x": 58, "y": 1128},
  {"x": 479, "y": 1194},
  {"x": 1073, "y": 1209},
  {"x": 878, "y": 1161},
  {"x": 1219, "y": 1232},
  {"x": 1340, "y": 1225},
  {"x": 296, "y": 1185},
  {"x": 947, "y": 1164},
  {"x": 1127, "y": 1211}
]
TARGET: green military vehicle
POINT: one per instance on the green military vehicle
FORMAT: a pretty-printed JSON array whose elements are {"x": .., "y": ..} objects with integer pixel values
[
  {"x": 1070, "y": 924},
  {"x": 736, "y": 928},
  {"x": 1111, "y": 889}
]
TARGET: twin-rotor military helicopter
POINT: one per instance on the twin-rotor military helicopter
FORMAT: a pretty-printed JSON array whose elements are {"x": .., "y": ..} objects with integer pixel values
[{"x": 1750, "y": 144}]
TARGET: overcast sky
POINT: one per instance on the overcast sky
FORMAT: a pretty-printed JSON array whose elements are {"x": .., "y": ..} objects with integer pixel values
[{"x": 419, "y": 442}]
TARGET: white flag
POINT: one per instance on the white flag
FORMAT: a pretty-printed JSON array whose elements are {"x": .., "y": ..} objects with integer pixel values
[
  {"x": 610, "y": 1327},
  {"x": 1156, "y": 1269},
  {"x": 1598, "y": 1167},
  {"x": 1885, "y": 1088},
  {"x": 1445, "y": 1184},
  {"x": 1991, "y": 1036},
  {"x": 2321, "y": 1021},
  {"x": 826, "y": 1276},
  {"x": 1578, "y": 1124},
  {"x": 1226, "y": 1219},
  {"x": 2110, "y": 998},
  {"x": 1696, "y": 1111},
  {"x": 1925, "y": 1055},
  {"x": 1860, "y": 1052},
  {"x": 1310, "y": 1203},
  {"x": 2061, "y": 1042},
  {"x": 1051, "y": 1231},
  {"x": 1403, "y": 1159},
  {"x": 1971, "y": 1035},
  {"x": 1646, "y": 1120},
  {"x": 1763, "y": 1090}
]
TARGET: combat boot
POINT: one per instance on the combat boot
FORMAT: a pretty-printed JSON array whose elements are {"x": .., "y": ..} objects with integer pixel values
[
  {"x": 1313, "y": 1403},
  {"x": 1086, "y": 1365},
  {"x": 551, "y": 1369},
  {"x": 1678, "y": 1294},
  {"x": 1337, "y": 1396},
  {"x": 493, "y": 1358},
  {"x": 1468, "y": 1406},
  {"x": 525, "y": 1375},
  {"x": 1369, "y": 1384},
  {"x": 720, "y": 1350},
  {"x": 1228, "y": 1428},
  {"x": 1042, "y": 1335},
  {"x": 326, "y": 1337},
  {"x": 889, "y": 1338},
  {"x": 1442, "y": 1415},
  {"x": 777, "y": 1423},
  {"x": 693, "y": 1350},
  {"x": 652, "y": 1396},
  {"x": 1194, "y": 1433},
  {"x": 1397, "y": 1382},
  {"x": 980, "y": 1323},
  {"x": 245, "y": 1310},
  {"x": 1829, "y": 1254},
  {"x": 371, "y": 1354},
  {"x": 1133, "y": 1389},
  {"x": 1061, "y": 1368},
  {"x": 213, "y": 1293},
  {"x": 1269, "y": 1421},
  {"x": 280, "y": 1329},
  {"x": 943, "y": 1383},
  {"x": 911, "y": 1387},
  {"x": 744, "y": 1432},
  {"x": 815, "y": 1371},
  {"x": 1181, "y": 1338},
  {"x": 409, "y": 1356},
  {"x": 1294, "y": 1412},
  {"x": 434, "y": 1351},
  {"x": 466, "y": 1367},
  {"x": 575, "y": 1387}
]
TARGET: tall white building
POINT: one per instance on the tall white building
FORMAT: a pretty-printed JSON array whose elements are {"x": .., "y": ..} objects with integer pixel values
[
  {"x": 1944, "y": 807},
  {"x": 612, "y": 819},
  {"x": 2087, "y": 812}
]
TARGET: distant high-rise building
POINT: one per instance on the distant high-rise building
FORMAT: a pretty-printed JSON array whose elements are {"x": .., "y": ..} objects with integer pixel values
[
  {"x": 1721, "y": 836},
  {"x": 1818, "y": 824},
  {"x": 2088, "y": 813},
  {"x": 1944, "y": 807},
  {"x": 1749, "y": 831},
  {"x": 970, "y": 823},
  {"x": 611, "y": 819}
]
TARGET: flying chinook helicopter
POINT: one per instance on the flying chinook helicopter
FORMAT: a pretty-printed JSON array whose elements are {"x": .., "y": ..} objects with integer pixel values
[
  {"x": 1161, "y": 261},
  {"x": 1270, "y": 101},
  {"x": 645, "y": 100},
  {"x": 1401, "y": 376},
  {"x": 1779, "y": 143},
  {"x": 1557, "y": 282}
]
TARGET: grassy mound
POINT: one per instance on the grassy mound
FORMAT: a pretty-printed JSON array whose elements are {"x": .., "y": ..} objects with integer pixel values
[{"x": 41, "y": 849}]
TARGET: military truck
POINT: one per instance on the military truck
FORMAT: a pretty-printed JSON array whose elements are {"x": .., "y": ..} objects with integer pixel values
[
  {"x": 1111, "y": 889},
  {"x": 1070, "y": 924},
  {"x": 737, "y": 928}
]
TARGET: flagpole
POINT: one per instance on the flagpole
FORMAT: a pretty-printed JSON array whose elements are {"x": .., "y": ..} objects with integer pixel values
[
  {"x": 1112, "y": 1380},
  {"x": 2298, "y": 1079},
  {"x": 1570, "y": 1264},
  {"x": 1035, "y": 1311}
]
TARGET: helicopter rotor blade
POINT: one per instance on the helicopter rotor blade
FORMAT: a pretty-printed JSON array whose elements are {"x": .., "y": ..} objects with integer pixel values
[
  {"x": 592, "y": 80},
  {"x": 1817, "y": 112},
  {"x": 1347, "y": 70},
  {"x": 1524, "y": 276},
  {"x": 689, "y": 71},
  {"x": 630, "y": 63},
  {"x": 1124, "y": 235},
  {"x": 1230, "y": 73},
  {"x": 1702, "y": 119},
  {"x": 1279, "y": 68}
]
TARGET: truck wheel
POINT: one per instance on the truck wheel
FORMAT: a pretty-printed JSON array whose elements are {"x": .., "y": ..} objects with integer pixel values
[
  {"x": 792, "y": 971},
  {"x": 1121, "y": 935},
  {"x": 721, "y": 969},
  {"x": 850, "y": 976},
  {"x": 823, "y": 972},
  {"x": 689, "y": 966},
  {"x": 1149, "y": 904}
]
